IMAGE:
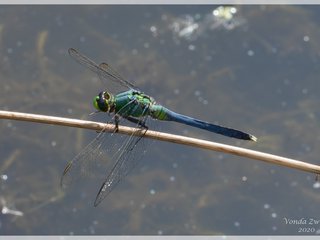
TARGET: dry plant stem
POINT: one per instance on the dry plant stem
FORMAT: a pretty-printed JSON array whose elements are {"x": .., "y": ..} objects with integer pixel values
[{"x": 273, "y": 159}]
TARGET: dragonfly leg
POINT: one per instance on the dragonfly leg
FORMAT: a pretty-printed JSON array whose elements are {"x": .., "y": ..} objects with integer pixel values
[{"x": 116, "y": 121}]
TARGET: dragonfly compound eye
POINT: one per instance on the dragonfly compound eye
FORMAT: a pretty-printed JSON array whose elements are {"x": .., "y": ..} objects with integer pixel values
[{"x": 100, "y": 103}]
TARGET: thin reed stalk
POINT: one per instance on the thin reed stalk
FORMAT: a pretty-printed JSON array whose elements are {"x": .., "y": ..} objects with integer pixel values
[{"x": 98, "y": 126}]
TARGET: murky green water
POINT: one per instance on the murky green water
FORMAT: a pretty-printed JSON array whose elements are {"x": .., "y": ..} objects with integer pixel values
[{"x": 259, "y": 72}]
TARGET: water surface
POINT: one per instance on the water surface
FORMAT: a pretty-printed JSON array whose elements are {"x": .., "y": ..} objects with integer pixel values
[{"x": 258, "y": 72}]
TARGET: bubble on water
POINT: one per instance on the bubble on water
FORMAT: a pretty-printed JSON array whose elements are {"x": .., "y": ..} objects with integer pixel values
[
  {"x": 250, "y": 53},
  {"x": 305, "y": 91},
  {"x": 266, "y": 206},
  {"x": 153, "y": 29},
  {"x": 191, "y": 47},
  {"x": 53, "y": 143},
  {"x": 152, "y": 192},
  {"x": 172, "y": 179},
  {"x": 197, "y": 93},
  {"x": 176, "y": 91},
  {"x": 306, "y": 38},
  {"x": 316, "y": 185},
  {"x": 236, "y": 224},
  {"x": 19, "y": 43}
]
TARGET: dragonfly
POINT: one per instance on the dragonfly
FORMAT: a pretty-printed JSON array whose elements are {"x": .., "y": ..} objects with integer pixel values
[{"x": 134, "y": 106}]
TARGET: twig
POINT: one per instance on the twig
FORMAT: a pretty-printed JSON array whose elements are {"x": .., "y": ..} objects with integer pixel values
[{"x": 274, "y": 159}]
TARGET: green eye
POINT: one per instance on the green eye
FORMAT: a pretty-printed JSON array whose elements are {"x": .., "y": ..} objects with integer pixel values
[{"x": 95, "y": 102}]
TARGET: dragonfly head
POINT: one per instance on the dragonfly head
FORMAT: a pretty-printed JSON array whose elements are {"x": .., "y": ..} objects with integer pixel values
[{"x": 104, "y": 102}]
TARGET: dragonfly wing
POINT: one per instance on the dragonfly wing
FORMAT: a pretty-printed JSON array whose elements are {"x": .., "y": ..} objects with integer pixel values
[
  {"x": 104, "y": 71},
  {"x": 106, "y": 149},
  {"x": 89, "y": 162},
  {"x": 128, "y": 156},
  {"x": 112, "y": 72},
  {"x": 83, "y": 60}
]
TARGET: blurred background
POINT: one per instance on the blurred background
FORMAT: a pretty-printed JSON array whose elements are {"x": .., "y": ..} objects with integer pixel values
[{"x": 254, "y": 68}]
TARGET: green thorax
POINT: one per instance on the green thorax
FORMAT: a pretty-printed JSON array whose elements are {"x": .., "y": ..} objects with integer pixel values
[{"x": 131, "y": 103}]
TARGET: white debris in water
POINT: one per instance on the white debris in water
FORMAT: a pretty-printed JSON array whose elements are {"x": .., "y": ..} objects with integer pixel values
[
  {"x": 190, "y": 27},
  {"x": 5, "y": 210},
  {"x": 224, "y": 12},
  {"x": 154, "y": 31},
  {"x": 4, "y": 177}
]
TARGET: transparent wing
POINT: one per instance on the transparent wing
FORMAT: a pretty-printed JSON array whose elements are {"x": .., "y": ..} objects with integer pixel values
[
  {"x": 127, "y": 157},
  {"x": 93, "y": 160},
  {"x": 90, "y": 161},
  {"x": 104, "y": 70},
  {"x": 99, "y": 155}
]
